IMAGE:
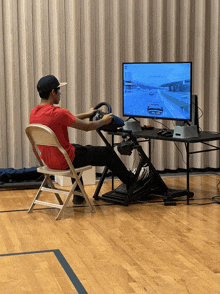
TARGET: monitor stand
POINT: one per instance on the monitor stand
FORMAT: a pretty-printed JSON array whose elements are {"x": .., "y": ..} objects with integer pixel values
[{"x": 132, "y": 124}]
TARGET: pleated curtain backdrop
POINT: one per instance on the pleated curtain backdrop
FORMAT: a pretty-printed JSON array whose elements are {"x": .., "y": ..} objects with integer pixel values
[{"x": 85, "y": 42}]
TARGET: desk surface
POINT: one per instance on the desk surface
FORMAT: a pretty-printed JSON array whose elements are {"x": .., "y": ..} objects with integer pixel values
[{"x": 203, "y": 136}]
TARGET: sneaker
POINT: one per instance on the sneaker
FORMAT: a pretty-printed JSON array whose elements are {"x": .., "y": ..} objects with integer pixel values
[{"x": 78, "y": 199}]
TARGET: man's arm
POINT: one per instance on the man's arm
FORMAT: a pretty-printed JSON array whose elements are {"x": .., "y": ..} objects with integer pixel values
[
  {"x": 86, "y": 126},
  {"x": 87, "y": 114}
]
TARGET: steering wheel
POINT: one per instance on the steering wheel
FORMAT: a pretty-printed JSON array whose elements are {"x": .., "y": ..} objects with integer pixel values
[
  {"x": 113, "y": 125},
  {"x": 99, "y": 114}
]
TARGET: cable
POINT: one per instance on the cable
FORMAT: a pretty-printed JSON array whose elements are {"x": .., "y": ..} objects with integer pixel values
[
  {"x": 201, "y": 111},
  {"x": 180, "y": 152},
  {"x": 174, "y": 142},
  {"x": 161, "y": 124}
]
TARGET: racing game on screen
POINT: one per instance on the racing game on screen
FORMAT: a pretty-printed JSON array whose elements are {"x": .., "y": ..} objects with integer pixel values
[{"x": 158, "y": 90}]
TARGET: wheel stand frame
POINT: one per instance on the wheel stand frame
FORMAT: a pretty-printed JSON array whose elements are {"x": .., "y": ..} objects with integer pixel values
[{"x": 124, "y": 197}]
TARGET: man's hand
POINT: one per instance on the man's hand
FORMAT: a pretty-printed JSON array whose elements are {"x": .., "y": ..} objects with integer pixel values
[
  {"x": 107, "y": 118},
  {"x": 91, "y": 112}
]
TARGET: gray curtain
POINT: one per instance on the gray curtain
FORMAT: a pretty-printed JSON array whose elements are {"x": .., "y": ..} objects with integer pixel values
[{"x": 85, "y": 42}]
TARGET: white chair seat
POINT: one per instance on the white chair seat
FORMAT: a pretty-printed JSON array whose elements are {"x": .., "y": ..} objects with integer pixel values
[{"x": 65, "y": 173}]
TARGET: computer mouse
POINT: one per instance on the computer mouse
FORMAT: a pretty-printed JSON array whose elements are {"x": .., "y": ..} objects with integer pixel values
[
  {"x": 161, "y": 131},
  {"x": 168, "y": 134},
  {"x": 164, "y": 132}
]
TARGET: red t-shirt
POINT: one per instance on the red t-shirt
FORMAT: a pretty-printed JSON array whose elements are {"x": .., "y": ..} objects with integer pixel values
[{"x": 57, "y": 119}]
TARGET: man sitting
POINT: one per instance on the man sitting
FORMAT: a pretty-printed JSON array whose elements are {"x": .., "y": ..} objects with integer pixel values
[{"x": 58, "y": 119}]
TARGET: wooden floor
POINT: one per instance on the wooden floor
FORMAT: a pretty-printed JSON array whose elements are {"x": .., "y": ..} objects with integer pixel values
[{"x": 142, "y": 248}]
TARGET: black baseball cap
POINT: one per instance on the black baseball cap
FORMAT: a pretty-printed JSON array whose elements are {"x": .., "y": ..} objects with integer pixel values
[{"x": 48, "y": 83}]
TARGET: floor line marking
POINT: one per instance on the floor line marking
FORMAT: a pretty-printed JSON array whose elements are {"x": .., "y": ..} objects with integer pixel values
[{"x": 68, "y": 270}]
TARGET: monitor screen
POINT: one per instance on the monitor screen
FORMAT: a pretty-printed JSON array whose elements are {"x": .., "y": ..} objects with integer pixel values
[{"x": 157, "y": 90}]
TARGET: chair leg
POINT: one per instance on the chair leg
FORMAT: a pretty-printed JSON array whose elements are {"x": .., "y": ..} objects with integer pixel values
[
  {"x": 53, "y": 187},
  {"x": 66, "y": 201},
  {"x": 64, "y": 205},
  {"x": 38, "y": 194},
  {"x": 72, "y": 193}
]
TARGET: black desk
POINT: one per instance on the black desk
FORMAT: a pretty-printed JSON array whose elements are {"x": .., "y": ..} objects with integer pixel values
[
  {"x": 202, "y": 138},
  {"x": 149, "y": 135}
]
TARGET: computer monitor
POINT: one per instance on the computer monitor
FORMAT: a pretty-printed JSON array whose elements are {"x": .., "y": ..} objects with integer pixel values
[{"x": 159, "y": 90}]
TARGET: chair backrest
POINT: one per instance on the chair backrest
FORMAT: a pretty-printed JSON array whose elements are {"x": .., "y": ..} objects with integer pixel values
[{"x": 42, "y": 135}]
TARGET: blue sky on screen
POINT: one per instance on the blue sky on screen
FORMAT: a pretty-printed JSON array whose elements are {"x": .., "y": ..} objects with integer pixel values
[{"x": 159, "y": 73}]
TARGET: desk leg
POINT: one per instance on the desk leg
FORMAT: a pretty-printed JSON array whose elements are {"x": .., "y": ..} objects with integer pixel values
[
  {"x": 187, "y": 173},
  {"x": 149, "y": 144}
]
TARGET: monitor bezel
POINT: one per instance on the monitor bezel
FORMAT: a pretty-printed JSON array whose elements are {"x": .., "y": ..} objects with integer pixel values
[{"x": 156, "y": 117}]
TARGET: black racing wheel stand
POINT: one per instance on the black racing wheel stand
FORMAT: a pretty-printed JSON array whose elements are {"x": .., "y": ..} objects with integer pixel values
[{"x": 144, "y": 188}]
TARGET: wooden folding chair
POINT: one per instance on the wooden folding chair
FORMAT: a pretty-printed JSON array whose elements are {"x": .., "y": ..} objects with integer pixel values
[{"x": 42, "y": 135}]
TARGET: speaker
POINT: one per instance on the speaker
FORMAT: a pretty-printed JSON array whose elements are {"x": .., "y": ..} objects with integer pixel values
[{"x": 185, "y": 132}]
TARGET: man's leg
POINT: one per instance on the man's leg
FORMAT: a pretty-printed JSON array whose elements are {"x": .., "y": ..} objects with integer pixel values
[{"x": 101, "y": 156}]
